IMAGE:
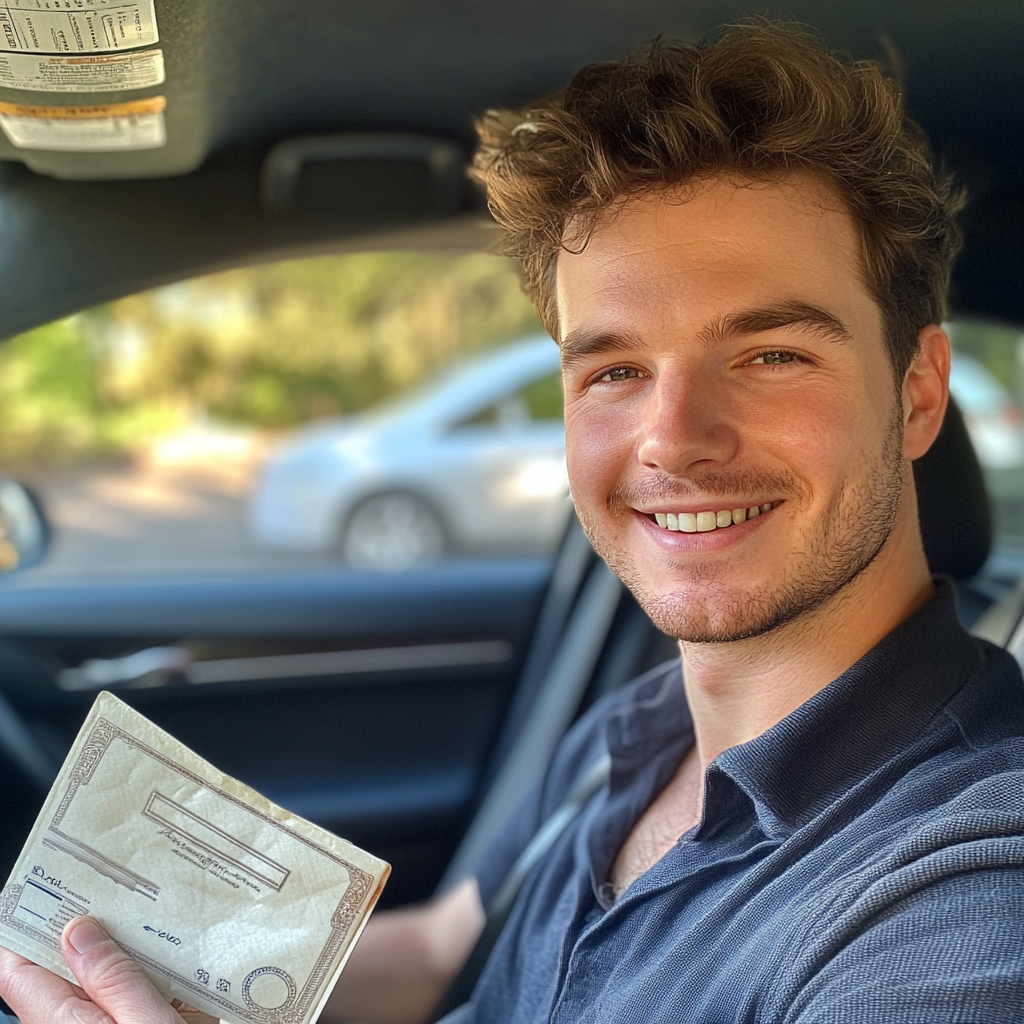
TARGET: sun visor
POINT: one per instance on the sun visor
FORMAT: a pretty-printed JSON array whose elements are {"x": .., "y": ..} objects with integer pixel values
[{"x": 101, "y": 90}]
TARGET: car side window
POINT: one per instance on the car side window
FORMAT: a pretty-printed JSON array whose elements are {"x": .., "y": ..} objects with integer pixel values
[
  {"x": 538, "y": 401},
  {"x": 987, "y": 382},
  {"x": 544, "y": 398},
  {"x": 283, "y": 417}
]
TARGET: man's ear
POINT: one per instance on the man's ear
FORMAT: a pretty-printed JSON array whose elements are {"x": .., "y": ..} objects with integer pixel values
[{"x": 925, "y": 392}]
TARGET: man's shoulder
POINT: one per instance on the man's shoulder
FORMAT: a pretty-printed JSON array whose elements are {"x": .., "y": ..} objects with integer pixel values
[
  {"x": 989, "y": 708},
  {"x": 984, "y": 770},
  {"x": 972, "y": 791},
  {"x": 957, "y": 806}
]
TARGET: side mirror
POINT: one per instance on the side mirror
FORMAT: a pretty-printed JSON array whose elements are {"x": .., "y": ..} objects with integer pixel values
[{"x": 24, "y": 530}]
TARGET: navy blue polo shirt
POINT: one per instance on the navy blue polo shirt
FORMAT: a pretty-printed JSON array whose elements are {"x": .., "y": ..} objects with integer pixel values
[{"x": 860, "y": 862}]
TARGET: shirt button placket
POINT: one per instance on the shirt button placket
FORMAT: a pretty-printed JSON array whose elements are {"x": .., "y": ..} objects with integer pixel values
[{"x": 574, "y": 991}]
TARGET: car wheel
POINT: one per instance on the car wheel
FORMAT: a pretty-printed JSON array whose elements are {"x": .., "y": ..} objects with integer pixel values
[{"x": 393, "y": 532}]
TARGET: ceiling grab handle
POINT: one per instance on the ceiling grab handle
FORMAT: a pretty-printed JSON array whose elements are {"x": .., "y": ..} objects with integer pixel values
[{"x": 283, "y": 165}]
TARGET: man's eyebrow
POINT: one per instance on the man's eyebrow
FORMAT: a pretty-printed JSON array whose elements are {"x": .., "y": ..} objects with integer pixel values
[
  {"x": 582, "y": 343},
  {"x": 772, "y": 318},
  {"x": 578, "y": 344}
]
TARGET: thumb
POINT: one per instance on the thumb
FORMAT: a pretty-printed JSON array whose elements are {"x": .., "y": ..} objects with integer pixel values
[{"x": 111, "y": 978}]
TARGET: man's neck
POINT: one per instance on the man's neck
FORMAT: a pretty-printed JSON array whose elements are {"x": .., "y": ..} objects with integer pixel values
[{"x": 738, "y": 690}]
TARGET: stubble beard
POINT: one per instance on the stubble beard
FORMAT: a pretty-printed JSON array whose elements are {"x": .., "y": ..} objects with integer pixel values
[{"x": 837, "y": 548}]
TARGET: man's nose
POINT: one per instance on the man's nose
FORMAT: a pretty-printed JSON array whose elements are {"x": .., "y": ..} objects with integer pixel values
[{"x": 687, "y": 420}]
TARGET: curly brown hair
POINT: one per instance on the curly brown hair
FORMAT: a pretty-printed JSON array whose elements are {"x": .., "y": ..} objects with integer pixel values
[{"x": 760, "y": 100}]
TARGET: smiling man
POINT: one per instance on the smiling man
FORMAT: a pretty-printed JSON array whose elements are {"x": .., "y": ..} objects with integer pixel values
[
  {"x": 743, "y": 250},
  {"x": 815, "y": 815},
  {"x": 739, "y": 453}
]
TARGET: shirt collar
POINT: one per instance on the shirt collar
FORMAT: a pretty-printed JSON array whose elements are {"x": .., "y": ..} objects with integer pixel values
[
  {"x": 655, "y": 714},
  {"x": 859, "y": 722}
]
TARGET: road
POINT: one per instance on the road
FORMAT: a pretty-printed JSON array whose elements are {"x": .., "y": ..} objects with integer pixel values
[{"x": 153, "y": 519}]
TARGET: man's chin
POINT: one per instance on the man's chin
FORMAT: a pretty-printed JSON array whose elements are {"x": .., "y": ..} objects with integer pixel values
[
  {"x": 705, "y": 606},
  {"x": 710, "y": 622},
  {"x": 717, "y": 615}
]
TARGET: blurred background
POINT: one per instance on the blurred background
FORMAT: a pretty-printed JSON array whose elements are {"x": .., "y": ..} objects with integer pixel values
[
  {"x": 148, "y": 426},
  {"x": 379, "y": 410}
]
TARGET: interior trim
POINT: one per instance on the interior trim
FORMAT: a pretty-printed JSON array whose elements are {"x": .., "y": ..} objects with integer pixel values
[
  {"x": 157, "y": 666},
  {"x": 336, "y": 663}
]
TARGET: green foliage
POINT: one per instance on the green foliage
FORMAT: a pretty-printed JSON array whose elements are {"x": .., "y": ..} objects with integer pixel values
[
  {"x": 268, "y": 346},
  {"x": 53, "y": 405}
]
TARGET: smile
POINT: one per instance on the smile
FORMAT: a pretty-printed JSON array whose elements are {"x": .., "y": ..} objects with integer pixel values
[{"x": 705, "y": 522}]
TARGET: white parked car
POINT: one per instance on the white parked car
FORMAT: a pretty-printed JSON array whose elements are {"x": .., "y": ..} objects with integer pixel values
[{"x": 475, "y": 461}]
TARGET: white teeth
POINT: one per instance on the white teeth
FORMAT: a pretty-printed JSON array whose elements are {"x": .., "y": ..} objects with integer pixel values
[{"x": 705, "y": 522}]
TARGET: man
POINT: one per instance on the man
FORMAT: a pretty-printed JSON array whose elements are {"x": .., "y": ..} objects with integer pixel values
[{"x": 743, "y": 253}]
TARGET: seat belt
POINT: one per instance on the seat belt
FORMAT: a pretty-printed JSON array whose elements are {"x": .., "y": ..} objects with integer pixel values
[
  {"x": 554, "y": 708},
  {"x": 500, "y": 906}
]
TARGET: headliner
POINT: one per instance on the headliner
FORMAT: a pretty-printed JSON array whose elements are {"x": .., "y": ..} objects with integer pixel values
[{"x": 243, "y": 75}]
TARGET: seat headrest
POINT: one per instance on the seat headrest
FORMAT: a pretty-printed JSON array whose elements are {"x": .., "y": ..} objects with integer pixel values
[{"x": 956, "y": 522}]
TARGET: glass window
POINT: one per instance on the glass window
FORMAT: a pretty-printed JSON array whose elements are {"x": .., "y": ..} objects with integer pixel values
[
  {"x": 301, "y": 415},
  {"x": 539, "y": 401},
  {"x": 289, "y": 415},
  {"x": 544, "y": 398},
  {"x": 987, "y": 381}
]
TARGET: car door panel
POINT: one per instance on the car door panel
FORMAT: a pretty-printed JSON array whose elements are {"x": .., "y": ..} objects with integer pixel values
[{"x": 368, "y": 703}]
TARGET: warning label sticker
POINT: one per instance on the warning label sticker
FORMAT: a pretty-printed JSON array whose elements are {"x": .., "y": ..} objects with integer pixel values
[
  {"x": 137, "y": 70},
  {"x": 76, "y": 26},
  {"x": 100, "y": 128}
]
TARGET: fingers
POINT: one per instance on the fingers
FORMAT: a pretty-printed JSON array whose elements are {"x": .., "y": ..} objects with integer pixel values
[
  {"x": 39, "y": 997},
  {"x": 190, "y": 1015},
  {"x": 114, "y": 988},
  {"x": 111, "y": 979}
]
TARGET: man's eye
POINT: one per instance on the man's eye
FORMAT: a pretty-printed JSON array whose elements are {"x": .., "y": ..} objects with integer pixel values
[
  {"x": 775, "y": 358},
  {"x": 621, "y": 373}
]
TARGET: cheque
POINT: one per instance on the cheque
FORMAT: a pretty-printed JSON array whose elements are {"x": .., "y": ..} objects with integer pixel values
[{"x": 229, "y": 902}]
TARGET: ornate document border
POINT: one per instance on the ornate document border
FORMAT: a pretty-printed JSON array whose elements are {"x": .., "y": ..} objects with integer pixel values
[{"x": 299, "y": 997}]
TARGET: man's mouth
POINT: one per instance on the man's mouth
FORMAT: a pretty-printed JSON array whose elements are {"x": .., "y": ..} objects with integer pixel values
[{"x": 705, "y": 522}]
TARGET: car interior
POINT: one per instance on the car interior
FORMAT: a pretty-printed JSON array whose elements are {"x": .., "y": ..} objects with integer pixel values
[{"x": 409, "y": 712}]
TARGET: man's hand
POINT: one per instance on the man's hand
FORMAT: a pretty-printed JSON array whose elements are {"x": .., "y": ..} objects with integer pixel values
[{"x": 114, "y": 988}]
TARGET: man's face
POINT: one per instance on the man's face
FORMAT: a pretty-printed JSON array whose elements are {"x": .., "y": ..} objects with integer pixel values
[{"x": 721, "y": 352}]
